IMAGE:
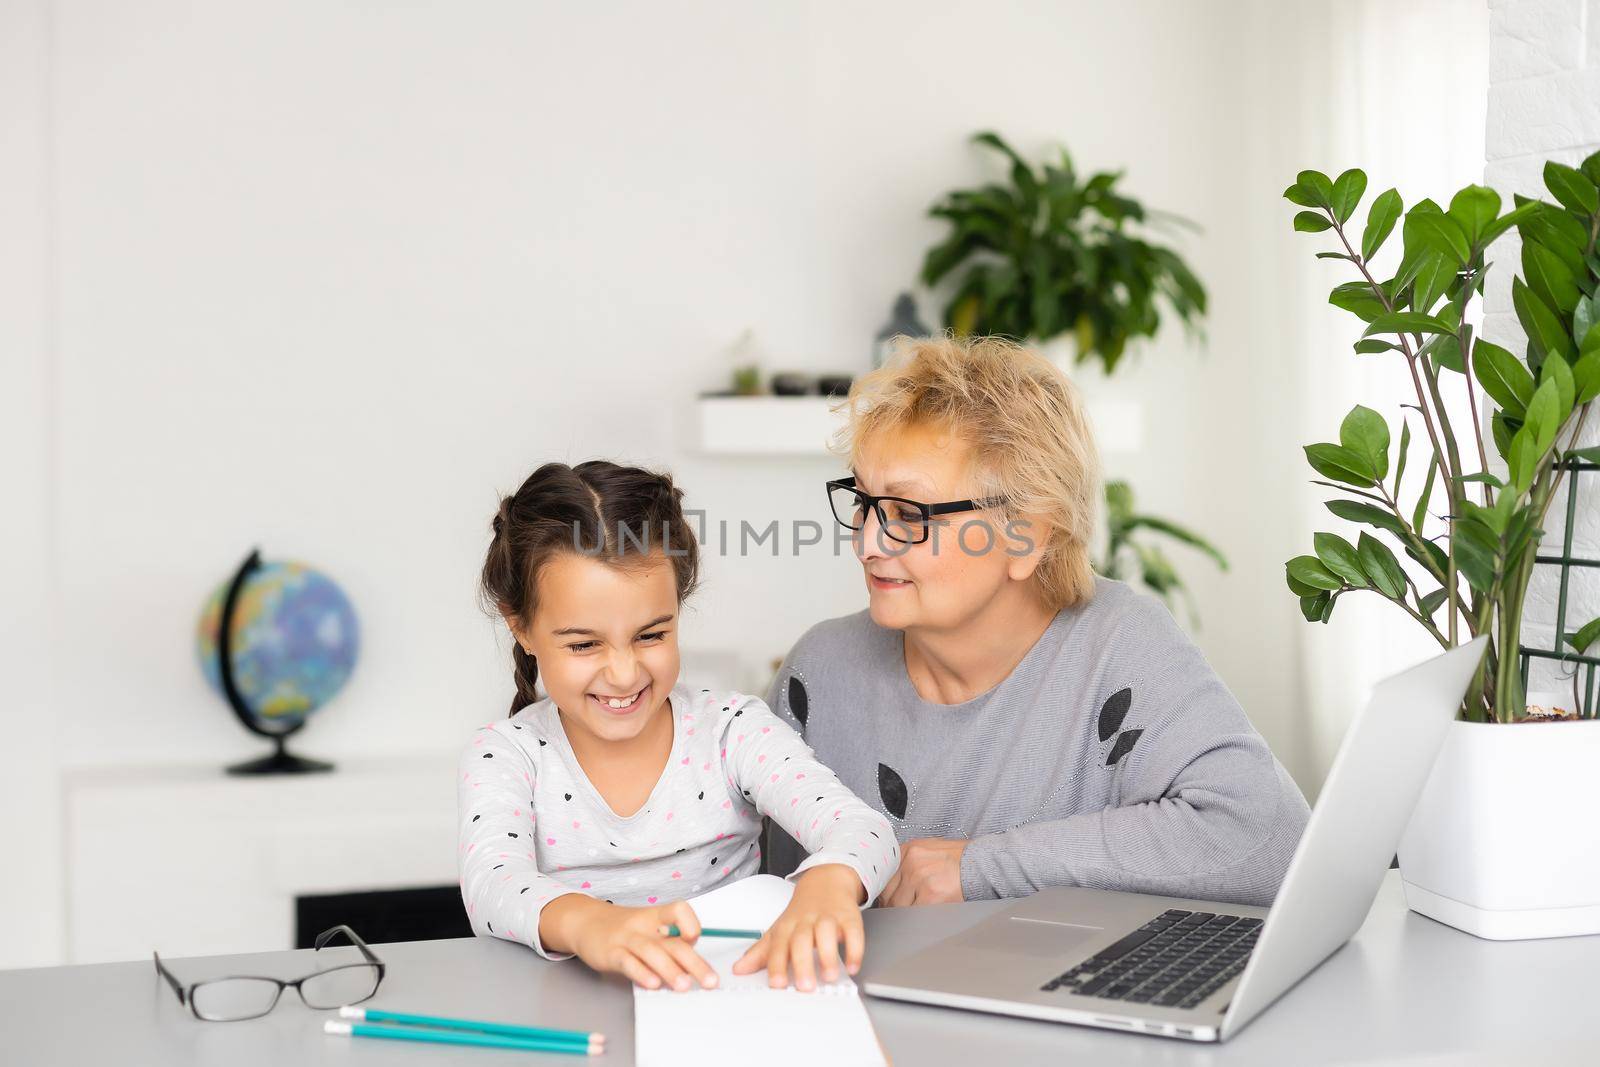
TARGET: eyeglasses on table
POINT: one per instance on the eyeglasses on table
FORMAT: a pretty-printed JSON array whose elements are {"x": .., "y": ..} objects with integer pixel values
[{"x": 236, "y": 997}]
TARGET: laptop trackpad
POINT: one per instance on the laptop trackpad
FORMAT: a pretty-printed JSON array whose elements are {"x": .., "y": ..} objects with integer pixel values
[{"x": 1026, "y": 937}]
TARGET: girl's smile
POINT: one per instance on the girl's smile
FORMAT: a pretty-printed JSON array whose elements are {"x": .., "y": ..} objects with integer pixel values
[{"x": 623, "y": 705}]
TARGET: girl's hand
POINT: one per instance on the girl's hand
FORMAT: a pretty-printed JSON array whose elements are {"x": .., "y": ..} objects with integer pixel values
[
  {"x": 630, "y": 941},
  {"x": 825, "y": 909}
]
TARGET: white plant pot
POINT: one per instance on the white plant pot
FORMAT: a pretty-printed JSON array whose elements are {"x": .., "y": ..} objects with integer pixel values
[
  {"x": 1505, "y": 840},
  {"x": 1116, "y": 408}
]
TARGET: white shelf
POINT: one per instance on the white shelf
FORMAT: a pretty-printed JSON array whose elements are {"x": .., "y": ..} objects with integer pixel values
[
  {"x": 766, "y": 425},
  {"x": 803, "y": 425}
]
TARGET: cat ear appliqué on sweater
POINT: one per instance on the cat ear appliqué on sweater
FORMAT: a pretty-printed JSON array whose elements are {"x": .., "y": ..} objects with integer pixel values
[
  {"x": 1113, "y": 711},
  {"x": 892, "y": 790},
  {"x": 1124, "y": 745},
  {"x": 799, "y": 703}
]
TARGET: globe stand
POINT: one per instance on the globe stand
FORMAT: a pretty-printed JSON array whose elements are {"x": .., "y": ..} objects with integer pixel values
[{"x": 281, "y": 761}]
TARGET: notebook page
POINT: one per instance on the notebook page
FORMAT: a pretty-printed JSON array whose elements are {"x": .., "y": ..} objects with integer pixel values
[{"x": 744, "y": 1021}]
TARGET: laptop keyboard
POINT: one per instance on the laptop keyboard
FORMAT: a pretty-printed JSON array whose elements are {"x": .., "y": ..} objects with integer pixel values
[{"x": 1175, "y": 960}]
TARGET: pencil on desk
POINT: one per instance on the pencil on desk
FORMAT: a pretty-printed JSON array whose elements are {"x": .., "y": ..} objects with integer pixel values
[
  {"x": 717, "y": 931},
  {"x": 462, "y": 1037},
  {"x": 377, "y": 1015}
]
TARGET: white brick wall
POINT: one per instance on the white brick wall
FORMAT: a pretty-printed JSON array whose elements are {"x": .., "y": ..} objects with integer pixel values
[
  {"x": 1533, "y": 38},
  {"x": 1544, "y": 103}
]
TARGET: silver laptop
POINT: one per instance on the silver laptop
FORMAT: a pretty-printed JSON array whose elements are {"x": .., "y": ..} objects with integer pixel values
[{"x": 1200, "y": 969}]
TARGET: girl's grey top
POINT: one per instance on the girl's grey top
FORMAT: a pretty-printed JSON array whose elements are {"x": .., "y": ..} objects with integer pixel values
[
  {"x": 533, "y": 827},
  {"x": 1111, "y": 757}
]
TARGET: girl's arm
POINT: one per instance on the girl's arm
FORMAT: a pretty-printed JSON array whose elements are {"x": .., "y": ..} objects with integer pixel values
[
  {"x": 853, "y": 848},
  {"x": 501, "y": 884},
  {"x": 508, "y": 897},
  {"x": 785, "y": 781}
]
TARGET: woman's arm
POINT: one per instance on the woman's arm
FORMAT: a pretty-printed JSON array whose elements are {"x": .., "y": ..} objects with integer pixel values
[
  {"x": 1198, "y": 806},
  {"x": 1204, "y": 814},
  {"x": 1188, "y": 799}
]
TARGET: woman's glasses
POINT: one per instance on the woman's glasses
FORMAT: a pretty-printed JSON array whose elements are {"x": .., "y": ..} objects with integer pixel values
[
  {"x": 250, "y": 997},
  {"x": 906, "y": 521}
]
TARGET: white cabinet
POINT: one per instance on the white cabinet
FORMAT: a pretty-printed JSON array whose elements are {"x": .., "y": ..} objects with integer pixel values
[{"x": 190, "y": 861}]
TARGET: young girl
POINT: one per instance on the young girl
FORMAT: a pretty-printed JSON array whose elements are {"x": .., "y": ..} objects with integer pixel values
[{"x": 588, "y": 817}]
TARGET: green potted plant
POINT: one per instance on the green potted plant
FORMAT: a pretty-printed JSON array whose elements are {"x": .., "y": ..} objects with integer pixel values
[
  {"x": 1130, "y": 554},
  {"x": 1049, "y": 256},
  {"x": 1476, "y": 855}
]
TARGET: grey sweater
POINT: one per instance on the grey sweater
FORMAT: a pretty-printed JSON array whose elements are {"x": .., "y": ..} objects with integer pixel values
[{"x": 1111, "y": 757}]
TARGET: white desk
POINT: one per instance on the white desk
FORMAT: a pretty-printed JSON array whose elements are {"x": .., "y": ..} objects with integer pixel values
[{"x": 1406, "y": 990}]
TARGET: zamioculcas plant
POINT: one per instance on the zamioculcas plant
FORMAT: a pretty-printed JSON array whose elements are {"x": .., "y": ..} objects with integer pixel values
[{"x": 1471, "y": 532}]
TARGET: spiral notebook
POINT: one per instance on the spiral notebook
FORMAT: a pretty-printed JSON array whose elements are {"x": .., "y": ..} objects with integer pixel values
[{"x": 744, "y": 1021}]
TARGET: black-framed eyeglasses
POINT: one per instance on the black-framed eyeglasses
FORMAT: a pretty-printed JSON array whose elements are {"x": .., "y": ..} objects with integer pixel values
[
  {"x": 906, "y": 521},
  {"x": 237, "y": 997}
]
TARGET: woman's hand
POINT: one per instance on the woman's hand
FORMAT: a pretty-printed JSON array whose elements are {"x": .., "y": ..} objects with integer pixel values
[
  {"x": 825, "y": 909},
  {"x": 628, "y": 941},
  {"x": 930, "y": 873}
]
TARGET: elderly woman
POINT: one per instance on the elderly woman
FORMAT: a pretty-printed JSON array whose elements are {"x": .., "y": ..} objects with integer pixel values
[{"x": 1022, "y": 722}]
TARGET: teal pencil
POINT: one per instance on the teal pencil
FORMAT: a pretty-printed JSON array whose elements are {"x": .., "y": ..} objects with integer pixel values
[
  {"x": 540, "y": 1033},
  {"x": 460, "y": 1037},
  {"x": 717, "y": 931}
]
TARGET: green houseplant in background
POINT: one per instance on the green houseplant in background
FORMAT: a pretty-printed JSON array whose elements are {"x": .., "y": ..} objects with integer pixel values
[
  {"x": 1472, "y": 529},
  {"x": 1128, "y": 554},
  {"x": 1049, "y": 255}
]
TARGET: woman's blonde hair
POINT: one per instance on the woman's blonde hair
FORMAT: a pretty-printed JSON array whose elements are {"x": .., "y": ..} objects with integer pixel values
[{"x": 1030, "y": 440}]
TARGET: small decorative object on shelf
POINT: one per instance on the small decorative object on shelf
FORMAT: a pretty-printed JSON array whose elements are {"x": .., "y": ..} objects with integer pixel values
[
  {"x": 903, "y": 322},
  {"x": 747, "y": 381},
  {"x": 791, "y": 384},
  {"x": 277, "y": 641},
  {"x": 744, "y": 360},
  {"x": 835, "y": 385}
]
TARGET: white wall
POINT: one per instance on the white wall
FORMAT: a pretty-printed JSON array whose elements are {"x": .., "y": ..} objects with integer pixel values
[
  {"x": 30, "y": 817},
  {"x": 333, "y": 277},
  {"x": 1544, "y": 103},
  {"x": 327, "y": 278}
]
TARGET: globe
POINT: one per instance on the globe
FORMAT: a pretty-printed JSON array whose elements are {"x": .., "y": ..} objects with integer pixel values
[{"x": 293, "y": 641}]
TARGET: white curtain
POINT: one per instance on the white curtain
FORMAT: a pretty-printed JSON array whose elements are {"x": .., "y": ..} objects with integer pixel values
[{"x": 1399, "y": 90}]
